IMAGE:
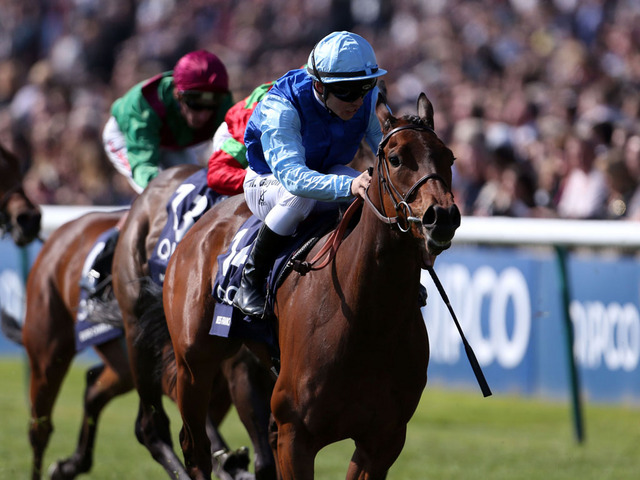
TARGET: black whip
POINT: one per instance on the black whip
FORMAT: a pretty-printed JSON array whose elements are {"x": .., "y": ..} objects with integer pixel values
[{"x": 484, "y": 386}]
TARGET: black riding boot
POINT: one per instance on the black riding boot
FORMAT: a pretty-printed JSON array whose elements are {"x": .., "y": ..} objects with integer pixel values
[
  {"x": 250, "y": 298},
  {"x": 99, "y": 276}
]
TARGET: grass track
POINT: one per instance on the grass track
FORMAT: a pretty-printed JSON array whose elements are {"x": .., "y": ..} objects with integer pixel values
[{"x": 453, "y": 435}]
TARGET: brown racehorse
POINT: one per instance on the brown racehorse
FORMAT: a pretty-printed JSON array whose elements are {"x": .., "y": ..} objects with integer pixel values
[
  {"x": 18, "y": 215},
  {"x": 354, "y": 348},
  {"x": 48, "y": 336},
  {"x": 249, "y": 382}
]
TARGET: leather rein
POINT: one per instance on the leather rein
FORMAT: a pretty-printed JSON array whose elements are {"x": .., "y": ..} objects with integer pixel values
[{"x": 330, "y": 247}]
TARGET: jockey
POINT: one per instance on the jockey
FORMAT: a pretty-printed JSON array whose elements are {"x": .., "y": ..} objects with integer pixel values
[
  {"x": 299, "y": 139},
  {"x": 160, "y": 122},
  {"x": 228, "y": 161}
]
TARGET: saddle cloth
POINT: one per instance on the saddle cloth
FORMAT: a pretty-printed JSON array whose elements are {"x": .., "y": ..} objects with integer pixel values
[
  {"x": 90, "y": 332},
  {"x": 190, "y": 201},
  {"x": 230, "y": 322}
]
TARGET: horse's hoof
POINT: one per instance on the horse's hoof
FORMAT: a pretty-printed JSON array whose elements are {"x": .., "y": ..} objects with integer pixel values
[
  {"x": 244, "y": 476},
  {"x": 55, "y": 471},
  {"x": 219, "y": 458},
  {"x": 65, "y": 470},
  {"x": 233, "y": 465}
]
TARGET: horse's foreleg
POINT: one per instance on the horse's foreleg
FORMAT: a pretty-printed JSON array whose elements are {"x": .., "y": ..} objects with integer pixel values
[
  {"x": 218, "y": 408},
  {"x": 373, "y": 457},
  {"x": 193, "y": 402},
  {"x": 45, "y": 381},
  {"x": 103, "y": 384},
  {"x": 296, "y": 453},
  {"x": 152, "y": 423},
  {"x": 50, "y": 351},
  {"x": 196, "y": 370}
]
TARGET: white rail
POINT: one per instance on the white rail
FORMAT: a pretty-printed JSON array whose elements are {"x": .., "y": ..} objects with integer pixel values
[
  {"x": 549, "y": 232},
  {"x": 487, "y": 230},
  {"x": 54, "y": 216}
]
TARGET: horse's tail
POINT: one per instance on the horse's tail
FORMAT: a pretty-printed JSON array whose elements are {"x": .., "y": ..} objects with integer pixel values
[
  {"x": 106, "y": 311},
  {"x": 11, "y": 327},
  {"x": 153, "y": 334}
]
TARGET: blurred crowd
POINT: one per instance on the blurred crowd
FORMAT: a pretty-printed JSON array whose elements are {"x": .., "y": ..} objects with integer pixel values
[{"x": 538, "y": 99}]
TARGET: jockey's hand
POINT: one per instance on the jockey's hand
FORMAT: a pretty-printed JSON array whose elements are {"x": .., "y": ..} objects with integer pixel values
[{"x": 360, "y": 184}]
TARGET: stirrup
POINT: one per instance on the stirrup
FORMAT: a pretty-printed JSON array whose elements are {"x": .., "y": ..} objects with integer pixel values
[{"x": 249, "y": 308}]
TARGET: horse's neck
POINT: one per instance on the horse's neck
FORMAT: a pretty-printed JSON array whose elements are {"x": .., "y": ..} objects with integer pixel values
[{"x": 383, "y": 261}]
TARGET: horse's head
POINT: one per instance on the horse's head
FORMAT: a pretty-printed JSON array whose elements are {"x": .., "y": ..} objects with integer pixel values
[
  {"x": 412, "y": 179},
  {"x": 18, "y": 215}
]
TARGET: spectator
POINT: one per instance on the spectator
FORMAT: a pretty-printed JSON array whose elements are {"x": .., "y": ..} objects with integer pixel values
[
  {"x": 584, "y": 192},
  {"x": 533, "y": 69}
]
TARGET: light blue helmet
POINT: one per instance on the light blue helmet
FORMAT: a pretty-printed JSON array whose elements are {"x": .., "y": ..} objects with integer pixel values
[{"x": 343, "y": 57}]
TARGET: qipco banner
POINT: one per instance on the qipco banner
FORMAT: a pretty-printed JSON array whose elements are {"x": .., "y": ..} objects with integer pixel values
[{"x": 509, "y": 304}]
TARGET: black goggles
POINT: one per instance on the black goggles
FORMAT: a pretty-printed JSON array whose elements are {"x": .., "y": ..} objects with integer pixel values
[
  {"x": 351, "y": 91},
  {"x": 198, "y": 101}
]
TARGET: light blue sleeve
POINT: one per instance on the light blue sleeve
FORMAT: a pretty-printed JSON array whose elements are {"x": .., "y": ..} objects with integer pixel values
[{"x": 284, "y": 153}]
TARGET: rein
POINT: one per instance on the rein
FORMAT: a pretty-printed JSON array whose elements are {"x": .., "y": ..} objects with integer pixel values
[
  {"x": 335, "y": 238},
  {"x": 385, "y": 184},
  {"x": 332, "y": 243}
]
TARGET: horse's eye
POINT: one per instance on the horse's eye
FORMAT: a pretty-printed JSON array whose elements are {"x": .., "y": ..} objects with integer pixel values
[{"x": 394, "y": 160}]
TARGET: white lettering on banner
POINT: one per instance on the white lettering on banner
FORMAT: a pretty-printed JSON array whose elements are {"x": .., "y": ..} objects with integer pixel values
[
  {"x": 506, "y": 338},
  {"x": 181, "y": 226},
  {"x": 608, "y": 333}
]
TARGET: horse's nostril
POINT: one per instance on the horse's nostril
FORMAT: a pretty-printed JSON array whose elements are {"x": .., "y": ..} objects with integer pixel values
[
  {"x": 430, "y": 216},
  {"x": 454, "y": 215},
  {"x": 442, "y": 217}
]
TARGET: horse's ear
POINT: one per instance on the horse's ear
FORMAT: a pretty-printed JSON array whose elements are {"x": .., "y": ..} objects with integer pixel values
[
  {"x": 383, "y": 113},
  {"x": 425, "y": 110}
]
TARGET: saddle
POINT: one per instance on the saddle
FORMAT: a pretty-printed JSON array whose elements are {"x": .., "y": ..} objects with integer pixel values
[
  {"x": 230, "y": 322},
  {"x": 95, "y": 290},
  {"x": 190, "y": 201}
]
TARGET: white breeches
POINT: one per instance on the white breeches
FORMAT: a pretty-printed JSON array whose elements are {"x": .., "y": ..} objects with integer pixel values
[{"x": 280, "y": 210}]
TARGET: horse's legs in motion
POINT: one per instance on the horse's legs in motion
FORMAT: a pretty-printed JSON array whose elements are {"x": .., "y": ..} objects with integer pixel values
[
  {"x": 373, "y": 458},
  {"x": 193, "y": 397},
  {"x": 104, "y": 382},
  {"x": 296, "y": 453},
  {"x": 140, "y": 305},
  {"x": 251, "y": 385},
  {"x": 47, "y": 374},
  {"x": 152, "y": 423},
  {"x": 50, "y": 344}
]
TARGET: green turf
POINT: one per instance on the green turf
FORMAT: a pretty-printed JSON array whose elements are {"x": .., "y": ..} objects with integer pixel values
[{"x": 453, "y": 435}]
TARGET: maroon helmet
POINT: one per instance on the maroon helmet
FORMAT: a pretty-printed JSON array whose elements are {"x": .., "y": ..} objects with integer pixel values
[{"x": 201, "y": 77}]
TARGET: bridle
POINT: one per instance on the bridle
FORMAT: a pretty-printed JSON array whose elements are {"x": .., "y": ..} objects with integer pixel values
[
  {"x": 331, "y": 245},
  {"x": 404, "y": 215}
]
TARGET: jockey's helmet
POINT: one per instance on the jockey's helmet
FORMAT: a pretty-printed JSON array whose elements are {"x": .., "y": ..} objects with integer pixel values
[
  {"x": 343, "y": 57},
  {"x": 201, "y": 77}
]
